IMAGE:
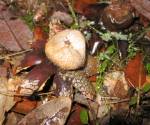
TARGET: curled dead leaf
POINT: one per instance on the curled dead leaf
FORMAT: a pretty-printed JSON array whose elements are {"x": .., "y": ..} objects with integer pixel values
[
  {"x": 37, "y": 77},
  {"x": 31, "y": 59}
]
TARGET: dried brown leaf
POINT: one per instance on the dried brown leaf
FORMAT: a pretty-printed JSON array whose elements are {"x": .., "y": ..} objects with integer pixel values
[
  {"x": 116, "y": 84},
  {"x": 24, "y": 106},
  {"x": 31, "y": 59},
  {"x": 7, "y": 102},
  {"x": 134, "y": 71},
  {"x": 54, "y": 112},
  {"x": 15, "y": 34}
]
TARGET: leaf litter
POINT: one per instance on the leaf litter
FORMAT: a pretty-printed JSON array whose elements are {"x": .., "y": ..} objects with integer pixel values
[{"x": 114, "y": 77}]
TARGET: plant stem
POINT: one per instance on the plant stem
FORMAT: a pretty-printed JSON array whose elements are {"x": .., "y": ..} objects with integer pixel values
[{"x": 72, "y": 12}]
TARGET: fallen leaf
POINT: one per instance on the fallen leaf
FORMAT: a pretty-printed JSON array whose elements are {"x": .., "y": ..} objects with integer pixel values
[
  {"x": 13, "y": 118},
  {"x": 3, "y": 71},
  {"x": 7, "y": 102},
  {"x": 88, "y": 8},
  {"x": 37, "y": 77},
  {"x": 31, "y": 59},
  {"x": 144, "y": 20},
  {"x": 91, "y": 66},
  {"x": 15, "y": 34},
  {"x": 54, "y": 112},
  {"x": 134, "y": 72},
  {"x": 38, "y": 34},
  {"x": 116, "y": 84},
  {"x": 63, "y": 88},
  {"x": 142, "y": 7},
  {"x": 25, "y": 106},
  {"x": 123, "y": 47},
  {"x": 74, "y": 118}
]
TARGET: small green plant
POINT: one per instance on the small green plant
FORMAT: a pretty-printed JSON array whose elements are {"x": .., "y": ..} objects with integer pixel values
[
  {"x": 28, "y": 18},
  {"x": 132, "y": 48},
  {"x": 148, "y": 68},
  {"x": 133, "y": 101},
  {"x": 105, "y": 59},
  {"x": 146, "y": 88},
  {"x": 84, "y": 116}
]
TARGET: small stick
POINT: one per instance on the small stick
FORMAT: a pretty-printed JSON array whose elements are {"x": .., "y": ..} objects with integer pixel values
[
  {"x": 15, "y": 54},
  {"x": 11, "y": 94},
  {"x": 120, "y": 101}
]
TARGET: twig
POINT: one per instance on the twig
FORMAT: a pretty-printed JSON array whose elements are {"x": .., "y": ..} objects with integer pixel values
[
  {"x": 15, "y": 54},
  {"x": 72, "y": 13},
  {"x": 120, "y": 101},
  {"x": 109, "y": 98},
  {"x": 11, "y": 94},
  {"x": 139, "y": 87}
]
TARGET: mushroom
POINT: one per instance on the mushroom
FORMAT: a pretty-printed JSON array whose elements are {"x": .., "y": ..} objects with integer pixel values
[{"x": 66, "y": 49}]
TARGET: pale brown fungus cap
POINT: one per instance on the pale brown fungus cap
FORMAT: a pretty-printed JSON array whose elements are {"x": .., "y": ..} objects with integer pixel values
[{"x": 67, "y": 49}]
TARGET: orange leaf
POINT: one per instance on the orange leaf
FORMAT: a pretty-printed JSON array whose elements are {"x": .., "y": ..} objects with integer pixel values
[
  {"x": 135, "y": 73},
  {"x": 39, "y": 34},
  {"x": 25, "y": 106},
  {"x": 92, "y": 78}
]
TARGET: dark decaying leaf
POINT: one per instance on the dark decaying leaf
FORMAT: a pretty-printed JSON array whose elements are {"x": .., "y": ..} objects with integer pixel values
[
  {"x": 32, "y": 58},
  {"x": 142, "y": 6},
  {"x": 135, "y": 73},
  {"x": 14, "y": 33},
  {"x": 89, "y": 8},
  {"x": 54, "y": 112},
  {"x": 37, "y": 77},
  {"x": 95, "y": 44},
  {"x": 123, "y": 48},
  {"x": 74, "y": 118},
  {"x": 37, "y": 55},
  {"x": 63, "y": 88}
]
